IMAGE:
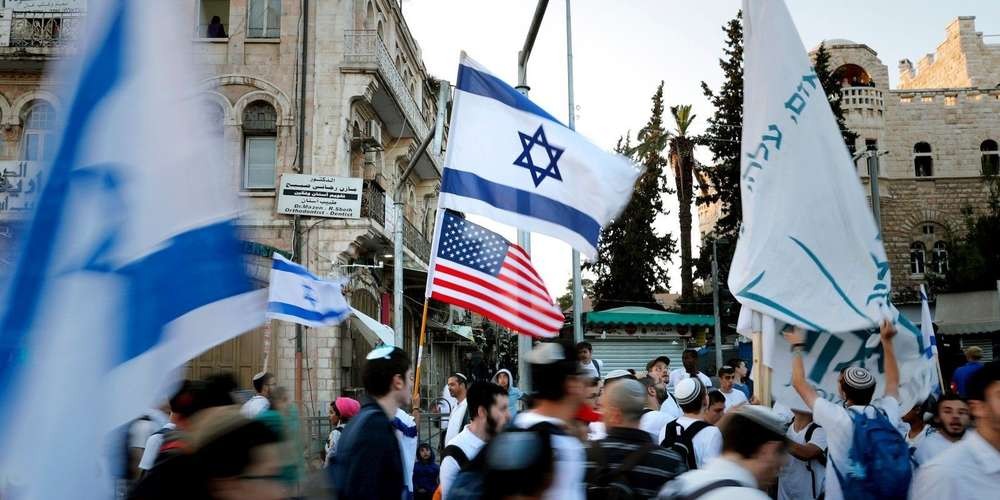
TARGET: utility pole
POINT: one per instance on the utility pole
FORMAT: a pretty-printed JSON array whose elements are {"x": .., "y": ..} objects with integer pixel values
[
  {"x": 397, "y": 243},
  {"x": 715, "y": 305},
  {"x": 524, "y": 237},
  {"x": 577, "y": 281}
]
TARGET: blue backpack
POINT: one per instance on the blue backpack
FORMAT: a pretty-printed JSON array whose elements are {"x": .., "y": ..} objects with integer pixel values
[{"x": 878, "y": 463}]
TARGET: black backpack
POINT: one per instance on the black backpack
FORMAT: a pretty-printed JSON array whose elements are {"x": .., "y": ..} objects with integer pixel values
[
  {"x": 457, "y": 455},
  {"x": 822, "y": 458},
  {"x": 681, "y": 440},
  {"x": 700, "y": 492},
  {"x": 606, "y": 483}
]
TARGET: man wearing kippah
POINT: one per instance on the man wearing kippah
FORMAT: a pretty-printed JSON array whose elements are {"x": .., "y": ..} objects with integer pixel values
[
  {"x": 263, "y": 382},
  {"x": 857, "y": 386}
]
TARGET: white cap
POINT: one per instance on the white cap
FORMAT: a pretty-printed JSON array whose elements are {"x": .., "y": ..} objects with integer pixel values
[
  {"x": 613, "y": 374},
  {"x": 687, "y": 390}
]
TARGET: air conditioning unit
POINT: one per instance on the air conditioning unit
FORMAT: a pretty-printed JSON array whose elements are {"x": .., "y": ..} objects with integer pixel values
[{"x": 375, "y": 132}]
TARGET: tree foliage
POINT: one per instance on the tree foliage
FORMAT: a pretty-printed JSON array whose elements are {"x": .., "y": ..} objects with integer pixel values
[
  {"x": 632, "y": 258},
  {"x": 682, "y": 163}
]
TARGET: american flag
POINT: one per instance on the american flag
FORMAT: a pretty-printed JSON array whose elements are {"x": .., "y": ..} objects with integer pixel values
[{"x": 479, "y": 270}]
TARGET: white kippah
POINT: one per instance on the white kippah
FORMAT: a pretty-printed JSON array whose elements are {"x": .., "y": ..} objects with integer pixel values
[
  {"x": 259, "y": 376},
  {"x": 687, "y": 390},
  {"x": 858, "y": 377},
  {"x": 613, "y": 374}
]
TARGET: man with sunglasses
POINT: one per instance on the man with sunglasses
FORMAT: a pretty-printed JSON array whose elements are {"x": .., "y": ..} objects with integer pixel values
[{"x": 368, "y": 463}]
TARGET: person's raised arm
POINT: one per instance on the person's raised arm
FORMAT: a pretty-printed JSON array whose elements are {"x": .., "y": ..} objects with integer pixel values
[
  {"x": 797, "y": 338},
  {"x": 887, "y": 332}
]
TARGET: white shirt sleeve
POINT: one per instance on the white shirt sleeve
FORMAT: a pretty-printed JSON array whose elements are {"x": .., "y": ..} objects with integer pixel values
[
  {"x": 151, "y": 451},
  {"x": 819, "y": 438},
  {"x": 139, "y": 432},
  {"x": 449, "y": 469},
  {"x": 705, "y": 379},
  {"x": 831, "y": 416},
  {"x": 934, "y": 481},
  {"x": 711, "y": 447},
  {"x": 890, "y": 405}
]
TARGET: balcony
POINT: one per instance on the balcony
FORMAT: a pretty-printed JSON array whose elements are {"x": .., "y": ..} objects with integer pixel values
[
  {"x": 374, "y": 206},
  {"x": 45, "y": 29},
  {"x": 364, "y": 52},
  {"x": 863, "y": 106}
]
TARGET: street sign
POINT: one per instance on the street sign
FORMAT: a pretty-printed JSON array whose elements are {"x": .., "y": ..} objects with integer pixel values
[{"x": 320, "y": 196}]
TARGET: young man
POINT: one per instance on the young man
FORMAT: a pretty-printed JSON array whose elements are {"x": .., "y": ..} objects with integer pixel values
[
  {"x": 716, "y": 407},
  {"x": 262, "y": 383},
  {"x": 857, "y": 386},
  {"x": 458, "y": 384},
  {"x": 707, "y": 440},
  {"x": 490, "y": 412},
  {"x": 588, "y": 365},
  {"x": 916, "y": 429},
  {"x": 973, "y": 363},
  {"x": 733, "y": 396},
  {"x": 445, "y": 406},
  {"x": 558, "y": 384},
  {"x": 659, "y": 369},
  {"x": 971, "y": 467},
  {"x": 690, "y": 369},
  {"x": 753, "y": 452},
  {"x": 368, "y": 462},
  {"x": 742, "y": 381},
  {"x": 951, "y": 419},
  {"x": 653, "y": 420},
  {"x": 504, "y": 379},
  {"x": 803, "y": 475},
  {"x": 649, "y": 466}
]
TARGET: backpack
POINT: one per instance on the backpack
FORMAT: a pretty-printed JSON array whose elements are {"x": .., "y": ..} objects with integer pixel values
[
  {"x": 468, "y": 484},
  {"x": 681, "y": 440},
  {"x": 613, "y": 484},
  {"x": 878, "y": 463},
  {"x": 822, "y": 458},
  {"x": 700, "y": 492},
  {"x": 457, "y": 455}
]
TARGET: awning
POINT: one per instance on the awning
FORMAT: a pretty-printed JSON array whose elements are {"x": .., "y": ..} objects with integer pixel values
[
  {"x": 643, "y": 316},
  {"x": 968, "y": 312},
  {"x": 373, "y": 331}
]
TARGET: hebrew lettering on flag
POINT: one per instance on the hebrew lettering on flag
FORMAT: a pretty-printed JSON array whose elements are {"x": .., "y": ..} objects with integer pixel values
[{"x": 809, "y": 252}]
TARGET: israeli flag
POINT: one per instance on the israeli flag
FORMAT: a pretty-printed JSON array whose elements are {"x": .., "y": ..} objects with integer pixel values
[
  {"x": 511, "y": 161},
  {"x": 299, "y": 296},
  {"x": 131, "y": 265},
  {"x": 927, "y": 324}
]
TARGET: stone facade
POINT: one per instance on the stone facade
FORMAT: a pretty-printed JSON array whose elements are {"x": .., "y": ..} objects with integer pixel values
[
  {"x": 366, "y": 104},
  {"x": 937, "y": 128}
]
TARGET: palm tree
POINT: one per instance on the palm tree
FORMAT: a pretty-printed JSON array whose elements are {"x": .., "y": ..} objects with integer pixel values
[{"x": 682, "y": 162}]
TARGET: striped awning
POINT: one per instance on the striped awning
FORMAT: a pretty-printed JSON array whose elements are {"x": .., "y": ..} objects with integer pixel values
[{"x": 642, "y": 316}]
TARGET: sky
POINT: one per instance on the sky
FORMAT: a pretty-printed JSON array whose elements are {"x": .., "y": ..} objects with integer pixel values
[{"x": 622, "y": 50}]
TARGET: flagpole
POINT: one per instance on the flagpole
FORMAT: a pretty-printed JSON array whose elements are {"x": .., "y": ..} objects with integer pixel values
[
  {"x": 420, "y": 353},
  {"x": 577, "y": 281}
]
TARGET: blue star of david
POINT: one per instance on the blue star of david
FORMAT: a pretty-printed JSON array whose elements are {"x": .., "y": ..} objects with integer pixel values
[
  {"x": 308, "y": 295},
  {"x": 524, "y": 160}
]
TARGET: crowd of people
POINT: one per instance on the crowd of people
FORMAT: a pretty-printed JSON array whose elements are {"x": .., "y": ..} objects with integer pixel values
[{"x": 582, "y": 432}]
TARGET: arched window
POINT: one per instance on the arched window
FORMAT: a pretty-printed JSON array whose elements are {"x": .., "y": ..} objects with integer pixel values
[
  {"x": 369, "y": 16},
  {"x": 918, "y": 254},
  {"x": 260, "y": 145},
  {"x": 990, "y": 157},
  {"x": 380, "y": 30},
  {"x": 923, "y": 162},
  {"x": 939, "y": 257},
  {"x": 37, "y": 138}
]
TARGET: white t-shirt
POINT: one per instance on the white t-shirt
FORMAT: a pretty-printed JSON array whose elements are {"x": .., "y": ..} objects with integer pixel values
[
  {"x": 254, "y": 406},
  {"x": 681, "y": 374},
  {"x": 139, "y": 432},
  {"x": 570, "y": 460},
  {"x": 716, "y": 470},
  {"x": 840, "y": 432},
  {"x": 915, "y": 441},
  {"x": 407, "y": 446},
  {"x": 931, "y": 446},
  {"x": 654, "y": 422},
  {"x": 446, "y": 408},
  {"x": 455, "y": 420},
  {"x": 590, "y": 370},
  {"x": 152, "y": 449},
  {"x": 795, "y": 480},
  {"x": 707, "y": 442},
  {"x": 470, "y": 445},
  {"x": 734, "y": 398},
  {"x": 969, "y": 469}
]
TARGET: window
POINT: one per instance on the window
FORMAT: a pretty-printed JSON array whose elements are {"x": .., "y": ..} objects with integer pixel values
[
  {"x": 260, "y": 148},
  {"x": 939, "y": 257},
  {"x": 923, "y": 162},
  {"x": 37, "y": 138},
  {"x": 871, "y": 144},
  {"x": 265, "y": 19},
  {"x": 990, "y": 157},
  {"x": 213, "y": 19},
  {"x": 917, "y": 257}
]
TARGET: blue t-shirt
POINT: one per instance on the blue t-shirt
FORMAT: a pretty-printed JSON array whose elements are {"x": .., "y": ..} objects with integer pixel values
[{"x": 963, "y": 374}]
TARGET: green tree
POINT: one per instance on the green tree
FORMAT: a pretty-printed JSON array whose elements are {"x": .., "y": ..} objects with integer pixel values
[
  {"x": 974, "y": 259},
  {"x": 565, "y": 300},
  {"x": 821, "y": 64},
  {"x": 632, "y": 258},
  {"x": 682, "y": 163}
]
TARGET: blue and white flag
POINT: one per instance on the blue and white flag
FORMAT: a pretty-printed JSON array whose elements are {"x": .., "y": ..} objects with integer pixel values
[
  {"x": 299, "y": 296},
  {"x": 927, "y": 325},
  {"x": 511, "y": 161},
  {"x": 131, "y": 265},
  {"x": 809, "y": 252}
]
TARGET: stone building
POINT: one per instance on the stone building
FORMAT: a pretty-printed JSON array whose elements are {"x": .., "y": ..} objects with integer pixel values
[{"x": 340, "y": 90}]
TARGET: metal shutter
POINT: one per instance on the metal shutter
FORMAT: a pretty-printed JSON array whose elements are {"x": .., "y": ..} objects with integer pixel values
[
  {"x": 622, "y": 354},
  {"x": 985, "y": 343}
]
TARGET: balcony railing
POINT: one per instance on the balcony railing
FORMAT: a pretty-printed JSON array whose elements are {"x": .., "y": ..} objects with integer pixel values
[
  {"x": 46, "y": 29},
  {"x": 416, "y": 241},
  {"x": 373, "y": 203},
  {"x": 365, "y": 48},
  {"x": 861, "y": 98},
  {"x": 373, "y": 206}
]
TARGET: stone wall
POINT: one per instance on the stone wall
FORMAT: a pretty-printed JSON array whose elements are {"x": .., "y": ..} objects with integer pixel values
[{"x": 962, "y": 60}]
